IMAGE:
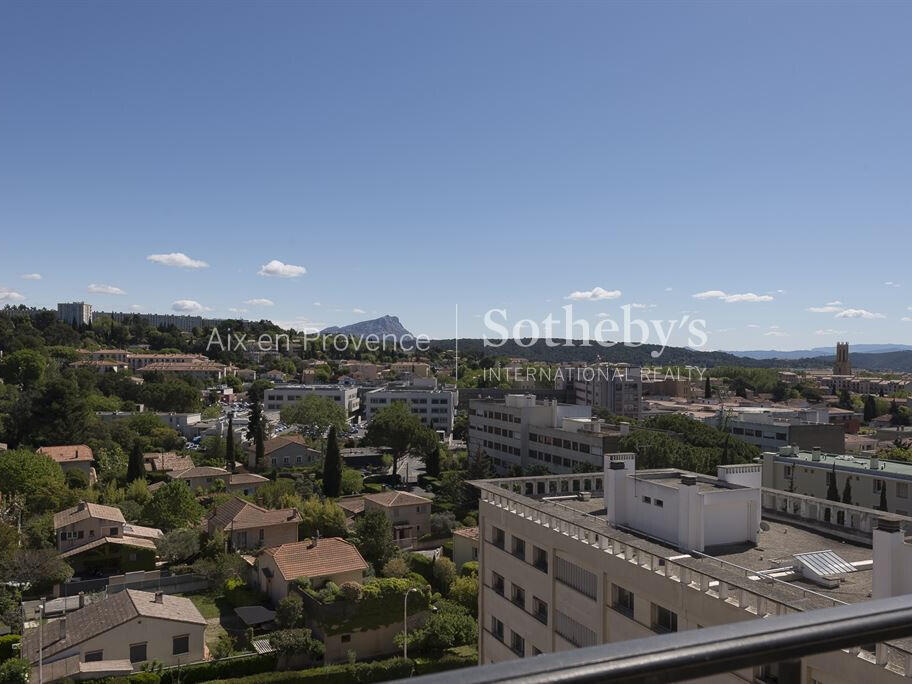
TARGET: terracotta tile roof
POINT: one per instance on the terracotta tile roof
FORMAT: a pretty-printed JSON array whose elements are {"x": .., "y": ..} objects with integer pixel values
[
  {"x": 304, "y": 559},
  {"x": 73, "y": 453},
  {"x": 467, "y": 532},
  {"x": 392, "y": 497},
  {"x": 136, "y": 542},
  {"x": 102, "y": 616},
  {"x": 240, "y": 515},
  {"x": 182, "y": 366},
  {"x": 352, "y": 504},
  {"x": 198, "y": 471},
  {"x": 167, "y": 461},
  {"x": 247, "y": 478},
  {"x": 140, "y": 531},
  {"x": 271, "y": 445},
  {"x": 84, "y": 511}
]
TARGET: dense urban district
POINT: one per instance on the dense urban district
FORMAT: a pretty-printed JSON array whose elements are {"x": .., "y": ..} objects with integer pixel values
[{"x": 177, "y": 512}]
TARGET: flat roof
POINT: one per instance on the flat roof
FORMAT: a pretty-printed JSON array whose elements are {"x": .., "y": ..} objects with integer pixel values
[{"x": 848, "y": 461}]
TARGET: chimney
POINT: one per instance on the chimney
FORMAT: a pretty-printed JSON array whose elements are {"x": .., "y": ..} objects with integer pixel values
[
  {"x": 891, "y": 573},
  {"x": 615, "y": 486},
  {"x": 874, "y": 463},
  {"x": 61, "y": 623},
  {"x": 624, "y": 428},
  {"x": 82, "y": 599},
  {"x": 159, "y": 597},
  {"x": 815, "y": 453},
  {"x": 81, "y": 506}
]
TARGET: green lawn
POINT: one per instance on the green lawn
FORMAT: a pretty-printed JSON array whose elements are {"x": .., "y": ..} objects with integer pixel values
[{"x": 206, "y": 604}]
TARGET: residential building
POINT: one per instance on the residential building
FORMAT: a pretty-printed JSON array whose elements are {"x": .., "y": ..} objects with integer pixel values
[
  {"x": 245, "y": 483},
  {"x": 615, "y": 388},
  {"x": 96, "y": 538},
  {"x": 285, "y": 451},
  {"x": 523, "y": 431},
  {"x": 184, "y": 423},
  {"x": 435, "y": 407},
  {"x": 74, "y": 313},
  {"x": 362, "y": 371},
  {"x": 78, "y": 457},
  {"x": 139, "y": 361},
  {"x": 202, "y": 477},
  {"x": 248, "y": 526},
  {"x": 283, "y": 395},
  {"x": 774, "y": 427},
  {"x": 409, "y": 369},
  {"x": 870, "y": 478},
  {"x": 569, "y": 561},
  {"x": 166, "y": 462},
  {"x": 409, "y": 513},
  {"x": 181, "y": 322},
  {"x": 202, "y": 370},
  {"x": 117, "y": 635},
  {"x": 465, "y": 545},
  {"x": 320, "y": 560}
]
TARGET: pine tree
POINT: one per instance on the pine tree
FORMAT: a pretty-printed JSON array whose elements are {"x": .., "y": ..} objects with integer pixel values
[
  {"x": 135, "y": 469},
  {"x": 707, "y": 390},
  {"x": 882, "y": 506},
  {"x": 332, "y": 465},
  {"x": 870, "y": 408},
  {"x": 229, "y": 445},
  {"x": 832, "y": 489},
  {"x": 847, "y": 491},
  {"x": 256, "y": 431}
]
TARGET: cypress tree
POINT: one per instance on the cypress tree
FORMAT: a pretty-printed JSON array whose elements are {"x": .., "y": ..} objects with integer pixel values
[
  {"x": 332, "y": 465},
  {"x": 832, "y": 489},
  {"x": 229, "y": 445},
  {"x": 257, "y": 432},
  {"x": 883, "y": 498},
  {"x": 135, "y": 470},
  {"x": 707, "y": 389},
  {"x": 847, "y": 491}
]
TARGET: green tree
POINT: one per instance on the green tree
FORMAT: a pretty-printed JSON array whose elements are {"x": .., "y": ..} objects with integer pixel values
[
  {"x": 297, "y": 642},
  {"x": 395, "y": 427},
  {"x": 256, "y": 431},
  {"x": 845, "y": 400},
  {"x": 332, "y": 465},
  {"x": 832, "y": 489},
  {"x": 444, "y": 573},
  {"x": 427, "y": 444},
  {"x": 374, "y": 538},
  {"x": 289, "y": 612},
  {"x": 229, "y": 444},
  {"x": 41, "y": 568},
  {"x": 707, "y": 389},
  {"x": 135, "y": 468},
  {"x": 178, "y": 545},
  {"x": 450, "y": 626},
  {"x": 172, "y": 506},
  {"x": 314, "y": 415},
  {"x": 15, "y": 671},
  {"x": 882, "y": 506},
  {"x": 36, "y": 477},
  {"x": 325, "y": 517},
  {"x": 464, "y": 591},
  {"x": 847, "y": 491},
  {"x": 24, "y": 368},
  {"x": 870, "y": 408},
  {"x": 352, "y": 481}
]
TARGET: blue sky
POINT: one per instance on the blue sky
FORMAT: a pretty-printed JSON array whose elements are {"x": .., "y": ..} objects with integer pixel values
[{"x": 413, "y": 157}]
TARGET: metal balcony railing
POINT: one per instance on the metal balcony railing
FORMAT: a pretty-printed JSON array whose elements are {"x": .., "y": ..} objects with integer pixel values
[{"x": 703, "y": 652}]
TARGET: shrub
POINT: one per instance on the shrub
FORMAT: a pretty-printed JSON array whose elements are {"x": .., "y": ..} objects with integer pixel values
[
  {"x": 7, "y": 644},
  {"x": 464, "y": 591},
  {"x": 254, "y": 666},
  {"x": 15, "y": 671},
  {"x": 350, "y": 591},
  {"x": 289, "y": 612},
  {"x": 423, "y": 565},
  {"x": 396, "y": 567},
  {"x": 442, "y": 524},
  {"x": 444, "y": 573},
  {"x": 296, "y": 642},
  {"x": 469, "y": 568}
]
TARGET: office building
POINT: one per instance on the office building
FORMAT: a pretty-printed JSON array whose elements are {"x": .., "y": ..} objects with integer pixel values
[
  {"x": 284, "y": 395},
  {"x": 616, "y": 388},
  {"x": 435, "y": 407}
]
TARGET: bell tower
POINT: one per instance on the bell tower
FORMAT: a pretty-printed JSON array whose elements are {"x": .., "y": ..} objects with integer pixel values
[{"x": 842, "y": 365}]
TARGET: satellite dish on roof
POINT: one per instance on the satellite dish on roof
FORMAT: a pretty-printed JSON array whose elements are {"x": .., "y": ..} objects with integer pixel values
[{"x": 764, "y": 526}]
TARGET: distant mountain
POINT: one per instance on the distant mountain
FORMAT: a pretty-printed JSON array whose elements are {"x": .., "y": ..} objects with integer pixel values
[
  {"x": 896, "y": 361},
  {"x": 820, "y": 351},
  {"x": 385, "y": 325}
]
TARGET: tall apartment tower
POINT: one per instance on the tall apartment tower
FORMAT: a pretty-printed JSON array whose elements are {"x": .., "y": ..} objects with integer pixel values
[
  {"x": 842, "y": 365},
  {"x": 74, "y": 312}
]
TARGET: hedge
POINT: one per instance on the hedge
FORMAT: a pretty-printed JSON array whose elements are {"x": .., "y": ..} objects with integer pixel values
[
  {"x": 6, "y": 646},
  {"x": 253, "y": 665}
]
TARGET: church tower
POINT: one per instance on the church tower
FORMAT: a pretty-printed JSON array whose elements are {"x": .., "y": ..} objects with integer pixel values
[{"x": 842, "y": 365}]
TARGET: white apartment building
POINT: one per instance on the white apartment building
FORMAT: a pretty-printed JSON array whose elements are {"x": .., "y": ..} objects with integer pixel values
[
  {"x": 283, "y": 395},
  {"x": 435, "y": 407},
  {"x": 810, "y": 472},
  {"x": 569, "y": 561},
  {"x": 774, "y": 427},
  {"x": 74, "y": 312},
  {"x": 616, "y": 388},
  {"x": 521, "y": 430}
]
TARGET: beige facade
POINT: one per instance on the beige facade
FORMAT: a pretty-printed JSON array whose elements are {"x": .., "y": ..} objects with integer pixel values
[
  {"x": 86, "y": 522},
  {"x": 555, "y": 575},
  {"x": 249, "y": 526},
  {"x": 465, "y": 545},
  {"x": 410, "y": 514}
]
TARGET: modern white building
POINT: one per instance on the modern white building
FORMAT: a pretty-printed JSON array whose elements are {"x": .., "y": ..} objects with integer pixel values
[
  {"x": 569, "y": 561},
  {"x": 435, "y": 407},
  {"x": 74, "y": 313},
  {"x": 615, "y": 388},
  {"x": 286, "y": 394}
]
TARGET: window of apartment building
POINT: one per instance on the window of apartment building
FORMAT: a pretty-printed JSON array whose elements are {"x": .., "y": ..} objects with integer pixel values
[
  {"x": 622, "y": 600},
  {"x": 180, "y": 644},
  {"x": 138, "y": 653},
  {"x": 878, "y": 485},
  {"x": 518, "y": 596},
  {"x": 577, "y": 634},
  {"x": 576, "y": 577},
  {"x": 540, "y": 610},
  {"x": 647, "y": 499},
  {"x": 497, "y": 583},
  {"x": 902, "y": 490},
  {"x": 94, "y": 656},
  {"x": 517, "y": 644},
  {"x": 788, "y": 471},
  {"x": 346, "y": 638},
  {"x": 497, "y": 628},
  {"x": 659, "y": 503},
  {"x": 663, "y": 620},
  {"x": 540, "y": 558},
  {"x": 519, "y": 547},
  {"x": 498, "y": 538}
]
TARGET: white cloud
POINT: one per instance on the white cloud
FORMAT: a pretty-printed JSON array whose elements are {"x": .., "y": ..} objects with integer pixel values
[
  {"x": 262, "y": 301},
  {"x": 135, "y": 307},
  {"x": 317, "y": 304},
  {"x": 358, "y": 311},
  {"x": 906, "y": 319},
  {"x": 829, "y": 331},
  {"x": 668, "y": 289},
  {"x": 10, "y": 295},
  {"x": 105, "y": 289},
  {"x": 176, "y": 259},
  {"x": 890, "y": 283},
  {"x": 593, "y": 295},
  {"x": 31, "y": 276},
  {"x": 188, "y": 306},
  {"x": 859, "y": 313},
  {"x": 301, "y": 324},
  {"x": 277, "y": 269},
  {"x": 733, "y": 298},
  {"x": 776, "y": 333},
  {"x": 642, "y": 306},
  {"x": 237, "y": 310},
  {"x": 830, "y": 307},
  {"x": 752, "y": 325}
]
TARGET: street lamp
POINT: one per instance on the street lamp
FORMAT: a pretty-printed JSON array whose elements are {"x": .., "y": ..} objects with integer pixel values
[{"x": 405, "y": 622}]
